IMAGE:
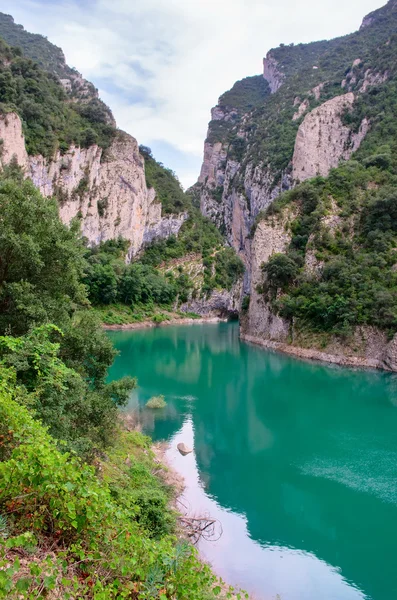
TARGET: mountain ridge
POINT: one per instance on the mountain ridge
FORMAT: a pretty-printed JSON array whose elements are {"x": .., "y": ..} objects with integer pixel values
[{"x": 331, "y": 103}]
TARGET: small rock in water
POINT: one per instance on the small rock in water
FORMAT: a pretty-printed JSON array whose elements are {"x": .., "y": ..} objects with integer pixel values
[{"x": 183, "y": 449}]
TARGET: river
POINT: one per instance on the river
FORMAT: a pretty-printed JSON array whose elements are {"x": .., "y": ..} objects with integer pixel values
[{"x": 297, "y": 460}]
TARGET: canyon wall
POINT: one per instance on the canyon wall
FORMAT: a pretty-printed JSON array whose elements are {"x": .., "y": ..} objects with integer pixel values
[
  {"x": 316, "y": 116},
  {"x": 107, "y": 193}
]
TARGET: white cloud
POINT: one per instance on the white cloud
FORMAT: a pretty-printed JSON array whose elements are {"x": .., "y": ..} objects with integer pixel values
[{"x": 162, "y": 65}]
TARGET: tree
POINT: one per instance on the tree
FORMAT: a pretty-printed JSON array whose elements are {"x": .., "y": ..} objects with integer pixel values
[
  {"x": 82, "y": 414},
  {"x": 280, "y": 270},
  {"x": 41, "y": 260}
]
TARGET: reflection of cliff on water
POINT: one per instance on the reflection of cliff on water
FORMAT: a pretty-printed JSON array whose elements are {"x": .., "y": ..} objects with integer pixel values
[{"x": 306, "y": 452}]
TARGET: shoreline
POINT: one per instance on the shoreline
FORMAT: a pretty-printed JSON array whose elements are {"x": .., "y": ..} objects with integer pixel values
[
  {"x": 168, "y": 322},
  {"x": 173, "y": 478},
  {"x": 317, "y": 355}
]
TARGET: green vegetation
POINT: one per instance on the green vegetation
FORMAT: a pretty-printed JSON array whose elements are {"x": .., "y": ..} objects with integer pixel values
[
  {"x": 222, "y": 266},
  {"x": 59, "y": 369},
  {"x": 112, "y": 533},
  {"x": 355, "y": 281},
  {"x": 244, "y": 96},
  {"x": 144, "y": 287},
  {"x": 50, "y": 122},
  {"x": 156, "y": 402},
  {"x": 164, "y": 181},
  {"x": 34, "y": 46},
  {"x": 83, "y": 512}
]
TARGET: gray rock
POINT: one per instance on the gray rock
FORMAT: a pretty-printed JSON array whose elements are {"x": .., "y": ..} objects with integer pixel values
[{"x": 183, "y": 449}]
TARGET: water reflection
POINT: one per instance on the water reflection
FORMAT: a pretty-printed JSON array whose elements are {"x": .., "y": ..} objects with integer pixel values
[{"x": 297, "y": 459}]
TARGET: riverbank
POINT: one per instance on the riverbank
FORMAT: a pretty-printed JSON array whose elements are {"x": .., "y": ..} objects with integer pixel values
[
  {"x": 170, "y": 321},
  {"x": 189, "y": 522},
  {"x": 317, "y": 355}
]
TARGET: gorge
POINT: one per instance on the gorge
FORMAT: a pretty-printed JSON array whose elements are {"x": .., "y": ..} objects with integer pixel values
[{"x": 291, "y": 233}]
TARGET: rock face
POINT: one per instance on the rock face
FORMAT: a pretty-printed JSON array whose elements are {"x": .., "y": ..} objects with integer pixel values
[
  {"x": 221, "y": 303},
  {"x": 270, "y": 238},
  {"x": 108, "y": 194},
  {"x": 271, "y": 73},
  {"x": 214, "y": 154},
  {"x": 323, "y": 140}
]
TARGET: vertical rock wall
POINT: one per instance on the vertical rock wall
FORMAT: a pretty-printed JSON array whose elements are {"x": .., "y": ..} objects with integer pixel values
[{"x": 108, "y": 193}]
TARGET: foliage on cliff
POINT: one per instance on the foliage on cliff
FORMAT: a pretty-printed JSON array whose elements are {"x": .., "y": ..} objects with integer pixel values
[
  {"x": 339, "y": 270},
  {"x": 34, "y": 46},
  {"x": 244, "y": 96},
  {"x": 50, "y": 120},
  {"x": 168, "y": 189},
  {"x": 109, "y": 280}
]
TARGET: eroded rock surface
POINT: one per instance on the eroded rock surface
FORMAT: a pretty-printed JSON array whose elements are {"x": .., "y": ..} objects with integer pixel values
[
  {"x": 323, "y": 140},
  {"x": 109, "y": 194}
]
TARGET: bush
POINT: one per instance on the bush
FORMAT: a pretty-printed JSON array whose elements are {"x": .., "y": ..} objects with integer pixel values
[
  {"x": 156, "y": 402},
  {"x": 280, "y": 270},
  {"x": 113, "y": 544}
]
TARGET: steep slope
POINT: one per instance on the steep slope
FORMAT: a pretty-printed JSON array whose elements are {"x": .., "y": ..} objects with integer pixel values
[
  {"x": 51, "y": 59},
  {"x": 67, "y": 143},
  {"x": 320, "y": 268},
  {"x": 249, "y": 152}
]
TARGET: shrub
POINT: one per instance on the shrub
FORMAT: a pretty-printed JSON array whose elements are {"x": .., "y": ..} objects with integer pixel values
[
  {"x": 280, "y": 270},
  {"x": 103, "y": 536},
  {"x": 156, "y": 402}
]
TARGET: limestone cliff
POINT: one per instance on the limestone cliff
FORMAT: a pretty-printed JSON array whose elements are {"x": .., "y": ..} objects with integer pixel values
[
  {"x": 271, "y": 73},
  {"x": 270, "y": 238},
  {"x": 326, "y": 106},
  {"x": 260, "y": 324},
  {"x": 108, "y": 193},
  {"x": 323, "y": 140},
  {"x": 257, "y": 149}
]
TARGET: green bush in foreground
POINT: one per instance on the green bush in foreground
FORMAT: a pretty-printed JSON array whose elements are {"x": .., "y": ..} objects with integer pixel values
[{"x": 104, "y": 546}]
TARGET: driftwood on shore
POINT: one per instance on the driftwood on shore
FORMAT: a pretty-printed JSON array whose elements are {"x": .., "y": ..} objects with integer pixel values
[{"x": 199, "y": 527}]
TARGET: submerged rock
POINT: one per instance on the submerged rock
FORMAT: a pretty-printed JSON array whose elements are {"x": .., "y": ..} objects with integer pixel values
[{"x": 183, "y": 449}]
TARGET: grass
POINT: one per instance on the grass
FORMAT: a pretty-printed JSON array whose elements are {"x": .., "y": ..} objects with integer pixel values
[{"x": 121, "y": 314}]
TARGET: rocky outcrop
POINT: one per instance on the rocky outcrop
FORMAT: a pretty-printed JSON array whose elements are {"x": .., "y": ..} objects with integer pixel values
[
  {"x": 220, "y": 303},
  {"x": 183, "y": 449},
  {"x": 211, "y": 172},
  {"x": 376, "y": 15},
  {"x": 108, "y": 193},
  {"x": 302, "y": 108},
  {"x": 271, "y": 73},
  {"x": 368, "y": 348},
  {"x": 372, "y": 78},
  {"x": 323, "y": 140},
  {"x": 164, "y": 227}
]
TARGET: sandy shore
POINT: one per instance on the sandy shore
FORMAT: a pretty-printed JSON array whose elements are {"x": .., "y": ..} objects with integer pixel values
[{"x": 150, "y": 324}]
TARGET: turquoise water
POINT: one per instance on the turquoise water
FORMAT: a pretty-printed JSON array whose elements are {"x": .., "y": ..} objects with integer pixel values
[{"x": 297, "y": 460}]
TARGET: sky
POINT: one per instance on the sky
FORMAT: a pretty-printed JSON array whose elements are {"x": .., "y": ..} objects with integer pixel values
[{"x": 162, "y": 64}]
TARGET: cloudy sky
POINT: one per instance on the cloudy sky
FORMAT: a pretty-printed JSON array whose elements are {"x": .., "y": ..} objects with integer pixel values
[{"x": 161, "y": 64}]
